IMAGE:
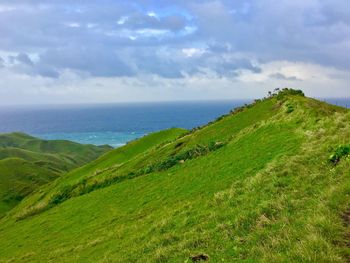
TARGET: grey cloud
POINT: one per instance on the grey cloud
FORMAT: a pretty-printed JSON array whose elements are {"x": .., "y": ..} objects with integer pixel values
[
  {"x": 224, "y": 65},
  {"x": 22, "y": 58},
  {"x": 241, "y": 64},
  {"x": 279, "y": 30},
  {"x": 165, "y": 69},
  {"x": 281, "y": 76},
  {"x": 46, "y": 71},
  {"x": 85, "y": 36},
  {"x": 218, "y": 47},
  {"x": 21, "y": 63},
  {"x": 96, "y": 61},
  {"x": 335, "y": 11},
  {"x": 170, "y": 65},
  {"x": 231, "y": 68},
  {"x": 151, "y": 61},
  {"x": 141, "y": 20}
]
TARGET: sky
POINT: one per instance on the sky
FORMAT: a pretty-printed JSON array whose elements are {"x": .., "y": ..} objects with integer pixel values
[{"x": 102, "y": 51}]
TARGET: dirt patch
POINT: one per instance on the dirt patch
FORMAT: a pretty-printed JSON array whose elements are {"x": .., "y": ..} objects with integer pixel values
[{"x": 200, "y": 257}]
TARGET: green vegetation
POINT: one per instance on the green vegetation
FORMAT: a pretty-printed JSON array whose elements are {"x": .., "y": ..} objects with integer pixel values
[
  {"x": 27, "y": 162},
  {"x": 89, "y": 177},
  {"x": 256, "y": 185},
  {"x": 340, "y": 151}
]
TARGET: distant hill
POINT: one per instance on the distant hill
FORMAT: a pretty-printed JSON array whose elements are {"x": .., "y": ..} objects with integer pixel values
[
  {"x": 27, "y": 162},
  {"x": 268, "y": 182}
]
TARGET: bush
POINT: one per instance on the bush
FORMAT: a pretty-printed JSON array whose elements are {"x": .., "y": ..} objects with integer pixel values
[
  {"x": 197, "y": 151},
  {"x": 285, "y": 92},
  {"x": 63, "y": 194},
  {"x": 290, "y": 108},
  {"x": 340, "y": 151}
]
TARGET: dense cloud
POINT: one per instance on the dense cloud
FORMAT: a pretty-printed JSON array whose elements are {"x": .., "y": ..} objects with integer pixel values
[
  {"x": 280, "y": 76},
  {"x": 171, "y": 39}
]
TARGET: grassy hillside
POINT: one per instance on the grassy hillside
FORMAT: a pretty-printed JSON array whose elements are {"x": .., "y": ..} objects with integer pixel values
[
  {"x": 266, "y": 183},
  {"x": 64, "y": 154},
  {"x": 19, "y": 178},
  {"x": 27, "y": 162}
]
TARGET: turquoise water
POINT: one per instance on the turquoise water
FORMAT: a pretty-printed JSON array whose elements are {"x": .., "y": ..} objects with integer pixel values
[{"x": 114, "y": 139}]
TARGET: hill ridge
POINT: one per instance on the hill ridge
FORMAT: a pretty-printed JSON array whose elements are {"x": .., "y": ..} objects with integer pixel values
[{"x": 269, "y": 193}]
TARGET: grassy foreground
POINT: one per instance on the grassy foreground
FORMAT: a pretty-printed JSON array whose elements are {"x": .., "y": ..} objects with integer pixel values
[
  {"x": 27, "y": 162},
  {"x": 260, "y": 184}
]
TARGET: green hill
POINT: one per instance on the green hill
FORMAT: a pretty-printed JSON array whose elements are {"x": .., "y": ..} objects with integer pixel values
[
  {"x": 27, "y": 162},
  {"x": 268, "y": 182}
]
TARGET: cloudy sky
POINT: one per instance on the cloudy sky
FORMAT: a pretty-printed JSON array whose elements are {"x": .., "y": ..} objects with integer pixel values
[{"x": 70, "y": 51}]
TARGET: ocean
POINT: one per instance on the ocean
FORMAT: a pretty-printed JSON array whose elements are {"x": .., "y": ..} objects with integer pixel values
[{"x": 114, "y": 124}]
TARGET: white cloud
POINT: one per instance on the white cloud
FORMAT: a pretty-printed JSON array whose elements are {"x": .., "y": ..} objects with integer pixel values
[
  {"x": 190, "y": 52},
  {"x": 149, "y": 32},
  {"x": 24, "y": 89},
  {"x": 91, "y": 25},
  {"x": 72, "y": 24},
  {"x": 122, "y": 20},
  {"x": 152, "y": 14},
  {"x": 314, "y": 79},
  {"x": 188, "y": 30}
]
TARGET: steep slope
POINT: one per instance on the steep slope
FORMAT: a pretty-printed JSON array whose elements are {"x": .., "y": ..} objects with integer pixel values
[
  {"x": 27, "y": 162},
  {"x": 255, "y": 185},
  {"x": 20, "y": 178},
  {"x": 113, "y": 158}
]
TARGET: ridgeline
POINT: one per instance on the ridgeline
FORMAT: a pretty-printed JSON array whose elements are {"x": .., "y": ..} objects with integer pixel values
[{"x": 268, "y": 182}]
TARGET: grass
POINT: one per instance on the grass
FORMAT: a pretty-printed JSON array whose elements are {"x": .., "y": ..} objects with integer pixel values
[
  {"x": 64, "y": 154},
  {"x": 18, "y": 179},
  {"x": 269, "y": 194},
  {"x": 77, "y": 180},
  {"x": 27, "y": 163}
]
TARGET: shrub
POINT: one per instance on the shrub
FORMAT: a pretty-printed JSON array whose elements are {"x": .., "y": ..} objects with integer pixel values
[
  {"x": 197, "y": 151},
  {"x": 63, "y": 194},
  {"x": 286, "y": 91},
  {"x": 290, "y": 108},
  {"x": 340, "y": 151}
]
